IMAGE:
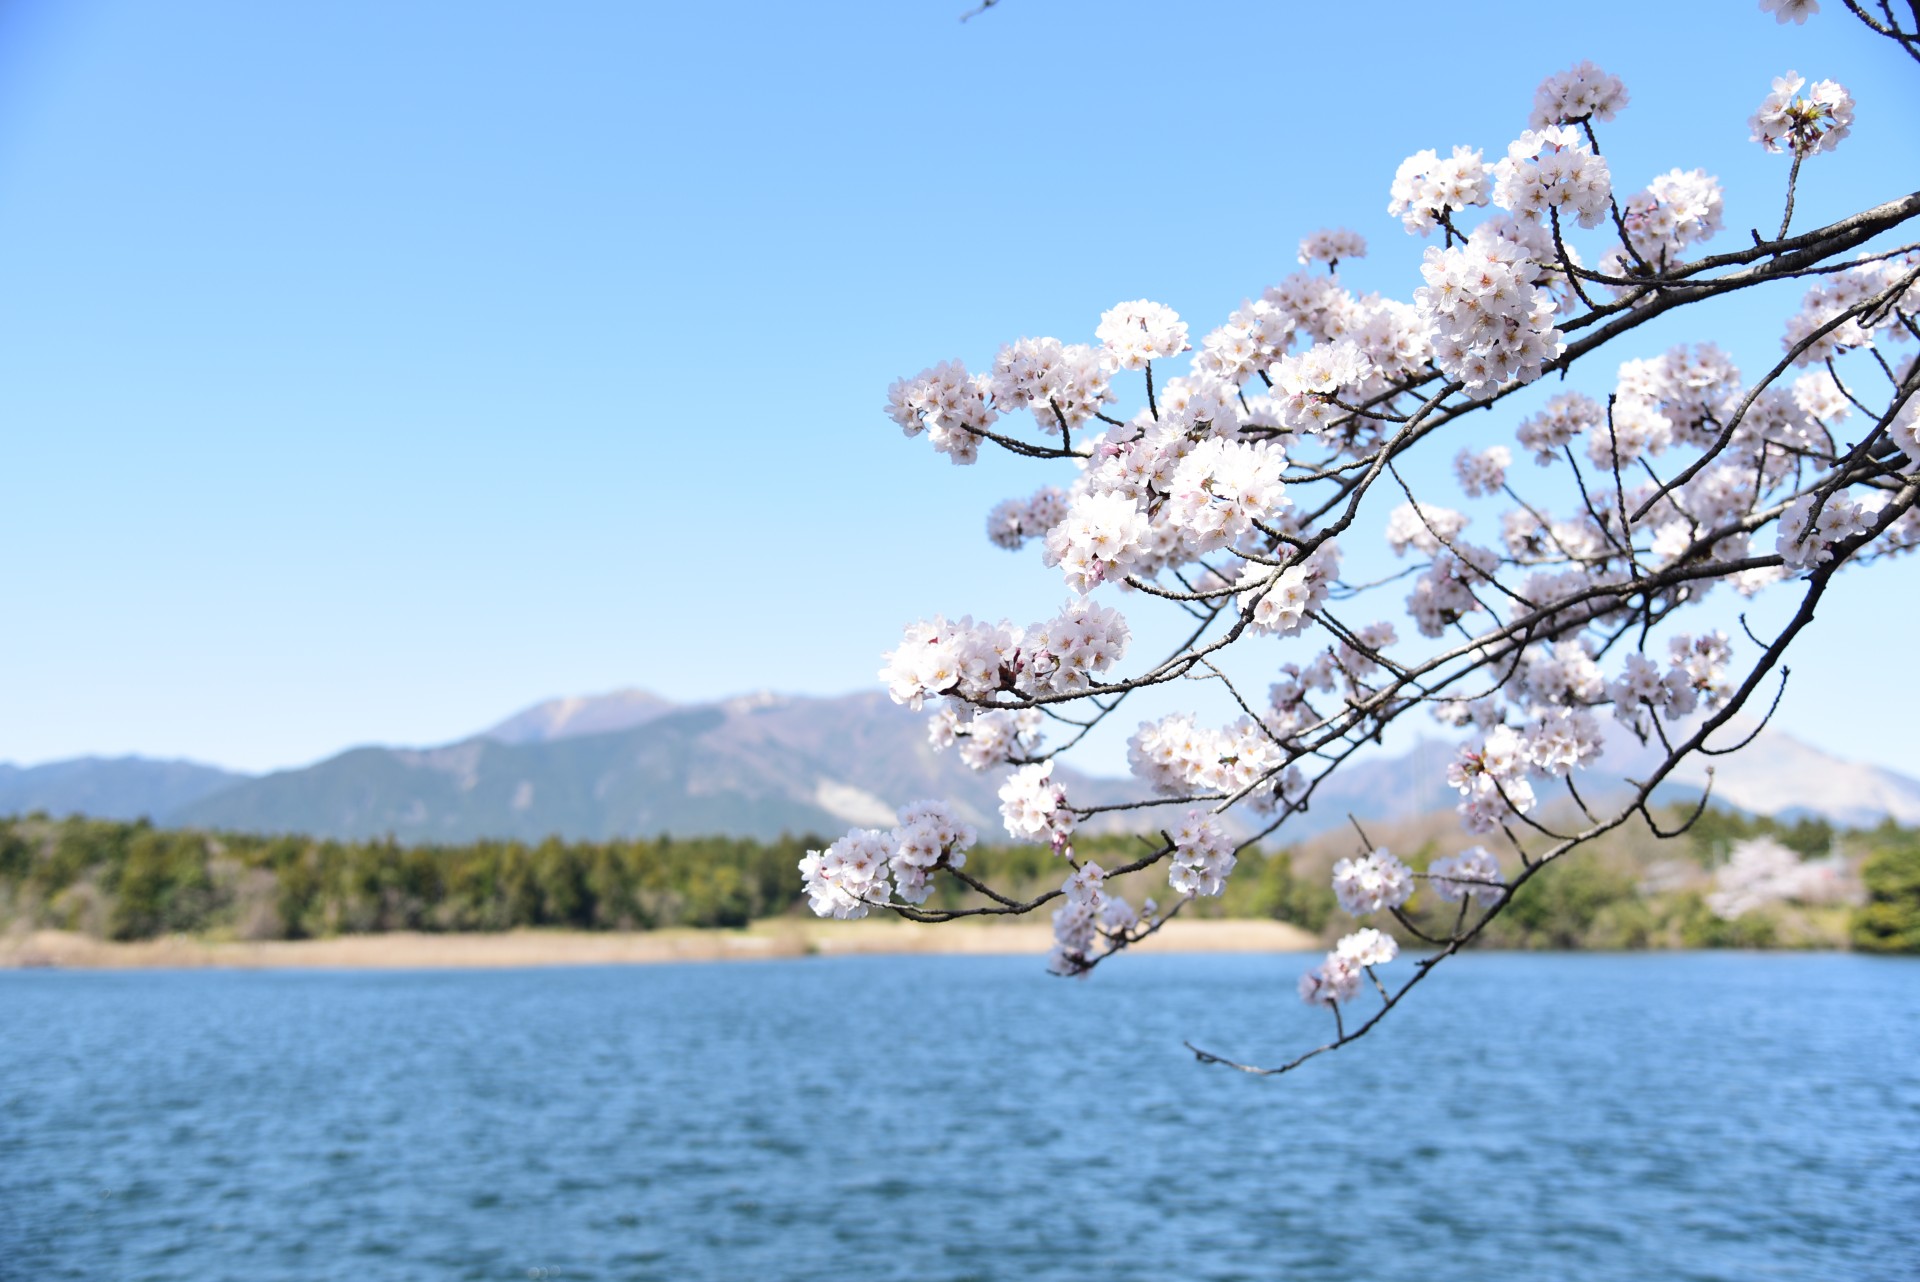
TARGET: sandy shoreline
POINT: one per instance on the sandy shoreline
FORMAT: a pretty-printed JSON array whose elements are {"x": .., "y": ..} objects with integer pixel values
[{"x": 763, "y": 941}]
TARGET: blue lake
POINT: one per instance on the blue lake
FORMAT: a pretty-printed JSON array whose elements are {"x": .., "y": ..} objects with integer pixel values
[{"x": 1689, "y": 1116}]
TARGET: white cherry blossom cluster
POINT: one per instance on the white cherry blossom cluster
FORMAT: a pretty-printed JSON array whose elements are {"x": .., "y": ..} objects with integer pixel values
[
  {"x": 1481, "y": 472},
  {"x": 1490, "y": 321},
  {"x": 1014, "y": 521},
  {"x": 849, "y": 876},
  {"x": 867, "y": 867},
  {"x": 1178, "y": 758},
  {"x": 1066, "y": 654},
  {"x": 948, "y": 404},
  {"x": 1451, "y": 587},
  {"x": 1803, "y": 125},
  {"x": 1904, "y": 430},
  {"x": 1088, "y": 909},
  {"x": 1676, "y": 210},
  {"x": 1071, "y": 652},
  {"x": 1138, "y": 332},
  {"x": 1794, "y": 11},
  {"x": 961, "y": 657},
  {"x": 1553, "y": 169},
  {"x": 1427, "y": 189},
  {"x": 1202, "y": 856},
  {"x": 1280, "y": 602},
  {"x": 1059, "y": 382},
  {"x": 1830, "y": 299},
  {"x": 1331, "y": 245},
  {"x": 1337, "y": 979},
  {"x": 1034, "y": 806},
  {"x": 1566, "y": 416},
  {"x": 1423, "y": 526},
  {"x": 928, "y": 837},
  {"x": 985, "y": 737},
  {"x": 1222, "y": 488},
  {"x": 1697, "y": 669},
  {"x": 1582, "y": 92},
  {"x": 1333, "y": 981},
  {"x": 1102, "y": 536},
  {"x": 1813, "y": 523},
  {"x": 1492, "y": 779},
  {"x": 1372, "y": 882},
  {"x": 1367, "y": 947},
  {"x": 1473, "y": 873}
]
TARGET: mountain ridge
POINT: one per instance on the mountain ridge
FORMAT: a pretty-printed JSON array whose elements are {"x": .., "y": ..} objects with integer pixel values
[{"x": 633, "y": 763}]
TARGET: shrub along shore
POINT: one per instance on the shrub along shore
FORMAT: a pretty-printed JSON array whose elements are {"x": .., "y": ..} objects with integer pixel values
[{"x": 74, "y": 882}]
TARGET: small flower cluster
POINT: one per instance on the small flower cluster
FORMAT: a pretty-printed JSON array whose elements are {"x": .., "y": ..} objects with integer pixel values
[
  {"x": 1090, "y": 911},
  {"x": 1423, "y": 526},
  {"x": 1675, "y": 210},
  {"x": 1492, "y": 779},
  {"x": 1013, "y": 521},
  {"x": 1137, "y": 332},
  {"x": 1221, "y": 488},
  {"x": 1491, "y": 324},
  {"x": 1482, "y": 472},
  {"x": 1813, "y": 523},
  {"x": 1697, "y": 672},
  {"x": 1372, "y": 882},
  {"x": 852, "y": 875},
  {"x": 1582, "y": 92},
  {"x": 1102, "y": 536},
  {"x": 1473, "y": 873},
  {"x": 1827, "y": 300},
  {"x": 1904, "y": 429},
  {"x": 1177, "y": 758},
  {"x": 1427, "y": 189},
  {"x": 1331, "y": 245},
  {"x": 1817, "y": 122},
  {"x": 1059, "y": 382},
  {"x": 969, "y": 660},
  {"x": 1549, "y": 169},
  {"x": 1794, "y": 11},
  {"x": 1202, "y": 856},
  {"x": 1337, "y": 979},
  {"x": 1279, "y": 602},
  {"x": 962, "y": 657},
  {"x": 986, "y": 737},
  {"x": 948, "y": 404},
  {"x": 1566, "y": 416},
  {"x": 1069, "y": 653},
  {"x": 1033, "y": 805}
]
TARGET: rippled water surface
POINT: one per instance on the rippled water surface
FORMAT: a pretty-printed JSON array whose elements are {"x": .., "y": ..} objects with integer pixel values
[{"x": 1540, "y": 1117}]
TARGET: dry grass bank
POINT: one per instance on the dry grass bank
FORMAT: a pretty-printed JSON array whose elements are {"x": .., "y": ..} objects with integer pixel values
[{"x": 765, "y": 940}]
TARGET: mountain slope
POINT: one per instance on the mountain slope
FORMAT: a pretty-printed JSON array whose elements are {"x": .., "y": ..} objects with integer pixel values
[
  {"x": 753, "y": 767},
  {"x": 110, "y": 787},
  {"x": 631, "y": 764}
]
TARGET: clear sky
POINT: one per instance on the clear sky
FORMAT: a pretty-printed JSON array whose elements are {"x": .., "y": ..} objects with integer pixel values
[{"x": 371, "y": 370}]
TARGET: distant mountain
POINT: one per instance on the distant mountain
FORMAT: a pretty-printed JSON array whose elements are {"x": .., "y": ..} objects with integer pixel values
[
  {"x": 1779, "y": 775},
  {"x": 110, "y": 787},
  {"x": 756, "y": 766},
  {"x": 633, "y": 764},
  {"x": 571, "y": 718}
]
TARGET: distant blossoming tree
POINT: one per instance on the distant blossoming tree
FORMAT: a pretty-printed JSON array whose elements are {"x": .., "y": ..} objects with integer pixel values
[{"x": 1223, "y": 492}]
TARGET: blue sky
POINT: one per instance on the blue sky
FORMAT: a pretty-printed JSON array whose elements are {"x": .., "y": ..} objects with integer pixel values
[{"x": 368, "y": 371}]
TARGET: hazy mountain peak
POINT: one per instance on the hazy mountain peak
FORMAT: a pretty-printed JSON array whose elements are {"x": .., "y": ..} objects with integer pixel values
[{"x": 580, "y": 715}]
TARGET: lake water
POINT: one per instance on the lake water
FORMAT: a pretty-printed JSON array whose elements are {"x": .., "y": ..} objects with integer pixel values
[{"x": 1725, "y": 1116}]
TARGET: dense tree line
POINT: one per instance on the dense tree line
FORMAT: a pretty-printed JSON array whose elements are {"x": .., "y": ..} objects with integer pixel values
[{"x": 134, "y": 881}]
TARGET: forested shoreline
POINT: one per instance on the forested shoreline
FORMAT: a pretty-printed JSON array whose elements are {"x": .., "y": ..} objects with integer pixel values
[{"x": 132, "y": 881}]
